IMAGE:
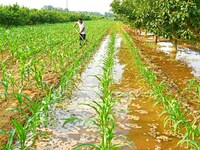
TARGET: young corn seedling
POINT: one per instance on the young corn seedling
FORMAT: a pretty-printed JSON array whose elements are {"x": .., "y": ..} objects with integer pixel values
[
  {"x": 5, "y": 83},
  {"x": 34, "y": 109},
  {"x": 20, "y": 108},
  {"x": 46, "y": 103},
  {"x": 11, "y": 81},
  {"x": 193, "y": 88},
  {"x": 21, "y": 133},
  {"x": 22, "y": 73},
  {"x": 38, "y": 76},
  {"x": 9, "y": 143}
]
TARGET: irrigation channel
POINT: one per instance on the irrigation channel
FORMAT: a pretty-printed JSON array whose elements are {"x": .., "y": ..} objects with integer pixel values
[{"x": 136, "y": 118}]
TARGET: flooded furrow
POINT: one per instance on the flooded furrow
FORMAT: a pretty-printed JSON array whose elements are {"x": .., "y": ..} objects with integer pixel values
[
  {"x": 65, "y": 137},
  {"x": 186, "y": 55},
  {"x": 118, "y": 69},
  {"x": 137, "y": 118}
]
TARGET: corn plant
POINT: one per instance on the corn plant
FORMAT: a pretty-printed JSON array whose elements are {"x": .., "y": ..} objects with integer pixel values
[
  {"x": 21, "y": 133},
  {"x": 38, "y": 76},
  {"x": 9, "y": 143},
  {"x": 4, "y": 81},
  {"x": 11, "y": 81},
  {"x": 194, "y": 89}
]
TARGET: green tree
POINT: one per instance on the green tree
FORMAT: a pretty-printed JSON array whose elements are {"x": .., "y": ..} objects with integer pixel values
[{"x": 172, "y": 19}]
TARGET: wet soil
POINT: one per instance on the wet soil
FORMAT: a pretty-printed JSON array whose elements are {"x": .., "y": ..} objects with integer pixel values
[
  {"x": 136, "y": 117},
  {"x": 50, "y": 76},
  {"x": 6, "y": 115}
]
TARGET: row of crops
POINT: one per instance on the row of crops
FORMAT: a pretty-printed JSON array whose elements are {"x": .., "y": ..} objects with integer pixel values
[
  {"x": 34, "y": 61},
  {"x": 174, "y": 19},
  {"x": 105, "y": 108},
  {"x": 16, "y": 15}
]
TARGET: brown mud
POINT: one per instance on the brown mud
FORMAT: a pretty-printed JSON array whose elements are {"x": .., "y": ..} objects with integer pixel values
[
  {"x": 136, "y": 117},
  {"x": 6, "y": 114}
]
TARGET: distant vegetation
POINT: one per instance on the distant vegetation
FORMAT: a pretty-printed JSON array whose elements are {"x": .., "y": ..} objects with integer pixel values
[
  {"x": 15, "y": 15},
  {"x": 106, "y": 14}
]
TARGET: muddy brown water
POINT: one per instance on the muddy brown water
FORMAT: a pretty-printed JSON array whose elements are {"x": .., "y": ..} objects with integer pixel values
[
  {"x": 167, "y": 67},
  {"x": 136, "y": 117},
  {"x": 142, "y": 122}
]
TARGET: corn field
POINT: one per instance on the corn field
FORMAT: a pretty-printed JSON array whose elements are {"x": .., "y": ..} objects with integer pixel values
[{"x": 55, "y": 93}]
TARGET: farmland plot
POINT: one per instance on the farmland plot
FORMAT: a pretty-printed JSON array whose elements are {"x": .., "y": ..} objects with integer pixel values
[
  {"x": 119, "y": 101},
  {"x": 36, "y": 59}
]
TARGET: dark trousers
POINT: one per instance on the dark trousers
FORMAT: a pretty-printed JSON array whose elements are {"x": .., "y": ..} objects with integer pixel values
[{"x": 82, "y": 38}]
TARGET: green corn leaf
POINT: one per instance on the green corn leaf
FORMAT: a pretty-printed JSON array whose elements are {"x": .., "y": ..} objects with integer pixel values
[
  {"x": 71, "y": 119},
  {"x": 10, "y": 139},
  {"x": 93, "y": 107},
  {"x": 86, "y": 145}
]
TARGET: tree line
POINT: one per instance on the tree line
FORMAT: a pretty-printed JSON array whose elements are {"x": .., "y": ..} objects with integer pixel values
[
  {"x": 106, "y": 14},
  {"x": 174, "y": 19},
  {"x": 14, "y": 15}
]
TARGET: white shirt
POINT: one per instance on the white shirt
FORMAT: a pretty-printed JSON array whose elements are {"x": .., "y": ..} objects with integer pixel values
[{"x": 81, "y": 26}]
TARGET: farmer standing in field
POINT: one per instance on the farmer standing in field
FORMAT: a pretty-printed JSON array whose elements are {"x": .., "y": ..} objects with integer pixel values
[{"x": 82, "y": 32}]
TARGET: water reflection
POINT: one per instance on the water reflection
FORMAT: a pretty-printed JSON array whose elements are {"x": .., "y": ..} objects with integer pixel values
[
  {"x": 118, "y": 69},
  {"x": 186, "y": 55},
  {"x": 191, "y": 58}
]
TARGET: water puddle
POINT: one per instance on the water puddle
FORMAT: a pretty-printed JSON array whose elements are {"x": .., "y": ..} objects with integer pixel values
[
  {"x": 186, "y": 55},
  {"x": 118, "y": 69},
  {"x": 166, "y": 47},
  {"x": 65, "y": 137},
  {"x": 191, "y": 58},
  {"x": 139, "y": 121}
]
